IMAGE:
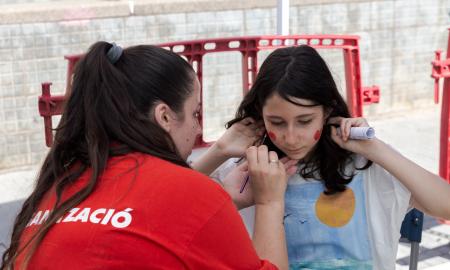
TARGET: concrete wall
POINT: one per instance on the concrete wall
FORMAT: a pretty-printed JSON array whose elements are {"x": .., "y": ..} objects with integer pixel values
[
  {"x": 10, "y": 2},
  {"x": 397, "y": 41}
]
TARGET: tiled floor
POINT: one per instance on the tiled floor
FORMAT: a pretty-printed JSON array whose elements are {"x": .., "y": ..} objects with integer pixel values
[{"x": 434, "y": 251}]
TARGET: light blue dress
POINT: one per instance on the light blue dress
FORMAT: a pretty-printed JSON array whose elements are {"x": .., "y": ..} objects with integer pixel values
[
  {"x": 315, "y": 245},
  {"x": 369, "y": 239}
]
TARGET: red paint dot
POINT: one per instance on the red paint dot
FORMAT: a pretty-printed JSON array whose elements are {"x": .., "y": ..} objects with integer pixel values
[
  {"x": 272, "y": 135},
  {"x": 317, "y": 135}
]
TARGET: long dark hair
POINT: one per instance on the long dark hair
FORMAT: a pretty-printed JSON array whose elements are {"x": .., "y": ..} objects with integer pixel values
[
  {"x": 109, "y": 104},
  {"x": 300, "y": 72}
]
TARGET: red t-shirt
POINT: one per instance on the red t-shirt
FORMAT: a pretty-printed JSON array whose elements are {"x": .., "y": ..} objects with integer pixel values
[{"x": 146, "y": 213}]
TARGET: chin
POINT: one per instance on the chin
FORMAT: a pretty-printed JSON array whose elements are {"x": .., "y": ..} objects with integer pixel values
[{"x": 296, "y": 156}]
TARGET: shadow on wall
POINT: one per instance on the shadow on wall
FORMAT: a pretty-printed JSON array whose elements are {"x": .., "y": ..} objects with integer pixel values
[{"x": 8, "y": 212}]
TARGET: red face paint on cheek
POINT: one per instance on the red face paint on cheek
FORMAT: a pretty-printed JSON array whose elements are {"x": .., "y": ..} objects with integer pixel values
[
  {"x": 272, "y": 136},
  {"x": 317, "y": 135}
]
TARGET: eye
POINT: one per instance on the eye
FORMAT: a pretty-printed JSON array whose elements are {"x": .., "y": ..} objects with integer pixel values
[
  {"x": 305, "y": 122},
  {"x": 276, "y": 123},
  {"x": 197, "y": 114}
]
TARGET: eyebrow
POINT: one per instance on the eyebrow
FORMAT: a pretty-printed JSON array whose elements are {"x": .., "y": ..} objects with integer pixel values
[{"x": 298, "y": 116}]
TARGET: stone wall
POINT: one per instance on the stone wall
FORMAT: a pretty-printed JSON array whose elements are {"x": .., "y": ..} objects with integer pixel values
[{"x": 398, "y": 39}]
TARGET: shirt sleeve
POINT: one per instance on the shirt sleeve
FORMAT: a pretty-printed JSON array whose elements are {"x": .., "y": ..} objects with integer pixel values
[
  {"x": 387, "y": 202},
  {"x": 223, "y": 243},
  {"x": 220, "y": 173}
]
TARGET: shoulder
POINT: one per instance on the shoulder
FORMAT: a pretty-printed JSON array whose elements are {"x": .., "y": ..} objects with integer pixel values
[
  {"x": 174, "y": 178},
  {"x": 382, "y": 186},
  {"x": 373, "y": 173}
]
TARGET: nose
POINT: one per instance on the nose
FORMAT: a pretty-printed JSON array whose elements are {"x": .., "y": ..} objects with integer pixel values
[{"x": 290, "y": 137}]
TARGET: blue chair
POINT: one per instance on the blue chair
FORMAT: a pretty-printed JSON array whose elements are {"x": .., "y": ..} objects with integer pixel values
[{"x": 412, "y": 230}]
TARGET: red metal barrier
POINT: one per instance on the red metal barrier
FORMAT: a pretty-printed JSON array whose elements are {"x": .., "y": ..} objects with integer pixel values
[
  {"x": 49, "y": 106},
  {"x": 440, "y": 69},
  {"x": 194, "y": 50}
]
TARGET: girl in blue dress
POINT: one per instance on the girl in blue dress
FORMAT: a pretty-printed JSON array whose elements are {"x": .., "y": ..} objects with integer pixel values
[{"x": 345, "y": 202}]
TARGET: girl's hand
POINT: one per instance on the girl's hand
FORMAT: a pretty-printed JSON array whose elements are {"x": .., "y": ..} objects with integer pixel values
[
  {"x": 234, "y": 181},
  {"x": 362, "y": 147},
  {"x": 239, "y": 137}
]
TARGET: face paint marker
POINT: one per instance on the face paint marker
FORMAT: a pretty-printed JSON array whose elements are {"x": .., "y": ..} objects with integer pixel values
[{"x": 360, "y": 133}]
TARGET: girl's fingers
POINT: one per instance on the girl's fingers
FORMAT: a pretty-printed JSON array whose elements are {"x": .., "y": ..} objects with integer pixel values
[
  {"x": 336, "y": 138},
  {"x": 345, "y": 125},
  {"x": 348, "y": 126},
  {"x": 335, "y": 120},
  {"x": 285, "y": 159},
  {"x": 291, "y": 167},
  {"x": 291, "y": 170},
  {"x": 290, "y": 163},
  {"x": 362, "y": 122},
  {"x": 342, "y": 127}
]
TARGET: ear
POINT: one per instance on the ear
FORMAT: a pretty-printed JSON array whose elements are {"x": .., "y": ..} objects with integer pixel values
[{"x": 162, "y": 114}]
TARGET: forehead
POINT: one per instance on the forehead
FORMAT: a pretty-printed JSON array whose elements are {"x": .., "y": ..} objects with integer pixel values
[
  {"x": 194, "y": 96},
  {"x": 275, "y": 105},
  {"x": 197, "y": 87}
]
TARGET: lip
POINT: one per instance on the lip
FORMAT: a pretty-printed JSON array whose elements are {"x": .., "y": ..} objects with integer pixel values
[{"x": 294, "y": 150}]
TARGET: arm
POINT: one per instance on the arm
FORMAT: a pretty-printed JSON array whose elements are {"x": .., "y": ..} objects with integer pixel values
[
  {"x": 269, "y": 236},
  {"x": 211, "y": 159},
  {"x": 232, "y": 143},
  {"x": 429, "y": 192},
  {"x": 224, "y": 241},
  {"x": 268, "y": 182}
]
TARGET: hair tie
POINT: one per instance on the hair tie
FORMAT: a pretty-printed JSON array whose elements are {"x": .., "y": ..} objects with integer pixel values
[{"x": 114, "y": 53}]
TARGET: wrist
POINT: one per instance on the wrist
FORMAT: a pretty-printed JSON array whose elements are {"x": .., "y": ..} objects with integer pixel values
[
  {"x": 220, "y": 150},
  {"x": 276, "y": 206},
  {"x": 274, "y": 209},
  {"x": 218, "y": 153},
  {"x": 373, "y": 150}
]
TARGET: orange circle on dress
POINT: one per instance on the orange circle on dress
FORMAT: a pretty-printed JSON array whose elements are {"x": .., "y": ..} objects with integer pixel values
[{"x": 336, "y": 210}]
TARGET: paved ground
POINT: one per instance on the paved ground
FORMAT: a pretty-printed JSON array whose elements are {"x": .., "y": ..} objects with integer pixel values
[{"x": 416, "y": 135}]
